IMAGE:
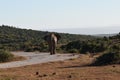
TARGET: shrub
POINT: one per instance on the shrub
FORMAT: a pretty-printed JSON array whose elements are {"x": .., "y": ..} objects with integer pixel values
[
  {"x": 108, "y": 58},
  {"x": 5, "y": 56},
  {"x": 73, "y": 51},
  {"x": 93, "y": 46},
  {"x": 28, "y": 49}
]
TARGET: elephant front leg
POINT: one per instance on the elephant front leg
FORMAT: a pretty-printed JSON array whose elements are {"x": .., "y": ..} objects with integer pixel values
[
  {"x": 50, "y": 50},
  {"x": 51, "y": 53},
  {"x": 54, "y": 49}
]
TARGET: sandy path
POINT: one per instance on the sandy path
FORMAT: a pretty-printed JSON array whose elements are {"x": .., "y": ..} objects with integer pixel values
[{"x": 36, "y": 58}]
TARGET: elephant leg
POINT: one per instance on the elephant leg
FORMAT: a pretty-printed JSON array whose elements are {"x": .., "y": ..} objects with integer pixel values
[
  {"x": 50, "y": 49},
  {"x": 54, "y": 51},
  {"x": 54, "y": 48}
]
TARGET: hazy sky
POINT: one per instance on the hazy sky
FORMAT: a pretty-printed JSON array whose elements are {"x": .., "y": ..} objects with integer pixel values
[{"x": 55, "y": 14}]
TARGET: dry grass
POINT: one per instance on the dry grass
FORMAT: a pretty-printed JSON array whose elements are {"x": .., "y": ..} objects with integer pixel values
[
  {"x": 73, "y": 69},
  {"x": 18, "y": 58}
]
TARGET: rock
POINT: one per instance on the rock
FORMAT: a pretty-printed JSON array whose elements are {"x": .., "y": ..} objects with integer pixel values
[
  {"x": 113, "y": 66},
  {"x": 37, "y": 73},
  {"x": 54, "y": 73},
  {"x": 69, "y": 76},
  {"x": 40, "y": 76},
  {"x": 44, "y": 75}
]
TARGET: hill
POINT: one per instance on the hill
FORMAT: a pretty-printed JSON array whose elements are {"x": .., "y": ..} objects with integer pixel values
[
  {"x": 13, "y": 38},
  {"x": 105, "y": 35}
]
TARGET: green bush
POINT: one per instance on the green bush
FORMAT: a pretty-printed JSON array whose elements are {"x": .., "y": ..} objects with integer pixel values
[
  {"x": 108, "y": 58},
  {"x": 73, "y": 51},
  {"x": 5, "y": 56},
  {"x": 29, "y": 49},
  {"x": 93, "y": 46}
]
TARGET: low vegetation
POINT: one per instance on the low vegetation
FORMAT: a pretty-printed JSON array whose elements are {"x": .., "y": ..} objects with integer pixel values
[
  {"x": 6, "y": 56},
  {"x": 108, "y": 58},
  {"x": 94, "y": 46},
  {"x": 91, "y": 46}
]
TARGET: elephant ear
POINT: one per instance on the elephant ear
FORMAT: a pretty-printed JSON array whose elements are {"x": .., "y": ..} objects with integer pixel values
[{"x": 58, "y": 36}]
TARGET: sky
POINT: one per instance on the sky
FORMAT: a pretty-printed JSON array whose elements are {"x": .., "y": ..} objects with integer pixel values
[{"x": 61, "y": 14}]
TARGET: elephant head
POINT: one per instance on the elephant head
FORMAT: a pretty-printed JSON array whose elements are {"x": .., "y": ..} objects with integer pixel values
[{"x": 52, "y": 40}]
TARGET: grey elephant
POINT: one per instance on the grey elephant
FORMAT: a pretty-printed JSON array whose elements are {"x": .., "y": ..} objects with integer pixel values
[{"x": 52, "y": 40}]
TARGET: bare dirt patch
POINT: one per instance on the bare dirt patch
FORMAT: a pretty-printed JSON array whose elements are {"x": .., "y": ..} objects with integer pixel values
[{"x": 72, "y": 69}]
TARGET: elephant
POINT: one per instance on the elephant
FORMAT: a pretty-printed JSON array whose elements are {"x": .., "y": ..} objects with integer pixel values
[{"x": 52, "y": 40}]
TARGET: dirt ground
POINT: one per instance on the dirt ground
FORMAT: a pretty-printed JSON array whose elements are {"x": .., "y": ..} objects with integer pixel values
[{"x": 72, "y": 69}]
